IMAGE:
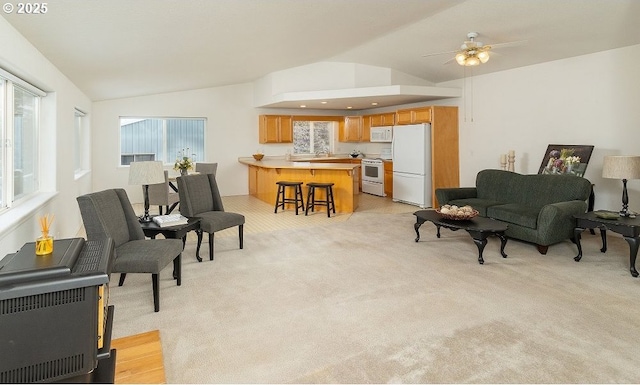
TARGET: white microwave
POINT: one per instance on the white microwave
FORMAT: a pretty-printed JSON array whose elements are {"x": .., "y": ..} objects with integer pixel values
[{"x": 381, "y": 134}]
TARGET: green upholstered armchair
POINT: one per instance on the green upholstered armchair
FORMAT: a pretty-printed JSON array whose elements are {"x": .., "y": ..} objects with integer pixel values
[{"x": 108, "y": 214}]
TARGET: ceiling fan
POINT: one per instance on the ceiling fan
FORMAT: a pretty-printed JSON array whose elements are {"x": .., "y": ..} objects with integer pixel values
[{"x": 472, "y": 52}]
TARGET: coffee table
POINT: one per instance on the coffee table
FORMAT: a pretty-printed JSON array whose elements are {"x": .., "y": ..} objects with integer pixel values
[
  {"x": 629, "y": 228},
  {"x": 479, "y": 228}
]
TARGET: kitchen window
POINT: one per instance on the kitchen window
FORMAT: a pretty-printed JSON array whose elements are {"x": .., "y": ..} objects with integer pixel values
[
  {"x": 19, "y": 129},
  {"x": 143, "y": 139},
  {"x": 313, "y": 137}
]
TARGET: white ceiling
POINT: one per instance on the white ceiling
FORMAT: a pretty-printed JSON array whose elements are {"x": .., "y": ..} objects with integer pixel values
[{"x": 121, "y": 48}]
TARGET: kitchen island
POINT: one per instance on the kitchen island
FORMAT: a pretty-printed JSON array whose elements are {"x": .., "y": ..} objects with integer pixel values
[{"x": 263, "y": 175}]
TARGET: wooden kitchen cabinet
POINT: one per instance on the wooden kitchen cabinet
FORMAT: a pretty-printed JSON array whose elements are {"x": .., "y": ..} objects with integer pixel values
[
  {"x": 378, "y": 120},
  {"x": 354, "y": 129},
  {"x": 414, "y": 115},
  {"x": 388, "y": 178},
  {"x": 275, "y": 129},
  {"x": 253, "y": 180}
]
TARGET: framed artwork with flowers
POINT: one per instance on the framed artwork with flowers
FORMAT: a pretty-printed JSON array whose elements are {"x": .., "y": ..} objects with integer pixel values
[{"x": 567, "y": 159}]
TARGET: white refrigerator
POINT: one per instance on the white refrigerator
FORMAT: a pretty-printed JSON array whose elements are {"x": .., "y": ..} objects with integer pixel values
[{"x": 412, "y": 164}]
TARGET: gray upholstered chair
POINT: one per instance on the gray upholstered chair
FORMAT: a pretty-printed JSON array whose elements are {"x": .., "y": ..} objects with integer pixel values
[
  {"x": 108, "y": 214},
  {"x": 206, "y": 168},
  {"x": 200, "y": 197},
  {"x": 162, "y": 194}
]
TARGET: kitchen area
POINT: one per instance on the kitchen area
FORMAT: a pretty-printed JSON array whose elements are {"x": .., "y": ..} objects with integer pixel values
[{"x": 402, "y": 155}]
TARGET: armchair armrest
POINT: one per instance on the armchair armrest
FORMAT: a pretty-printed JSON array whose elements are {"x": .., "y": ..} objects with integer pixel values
[{"x": 445, "y": 195}]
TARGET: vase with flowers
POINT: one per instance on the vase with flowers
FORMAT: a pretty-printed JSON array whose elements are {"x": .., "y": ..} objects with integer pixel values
[{"x": 183, "y": 162}]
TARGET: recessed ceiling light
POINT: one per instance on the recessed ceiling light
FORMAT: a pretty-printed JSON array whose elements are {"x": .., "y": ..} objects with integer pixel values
[
  {"x": 303, "y": 106},
  {"x": 323, "y": 102},
  {"x": 348, "y": 108},
  {"x": 374, "y": 103}
]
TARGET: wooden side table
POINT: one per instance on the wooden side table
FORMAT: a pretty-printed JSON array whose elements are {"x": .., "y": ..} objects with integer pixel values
[
  {"x": 151, "y": 230},
  {"x": 629, "y": 228}
]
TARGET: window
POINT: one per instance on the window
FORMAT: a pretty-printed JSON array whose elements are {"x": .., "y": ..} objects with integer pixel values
[
  {"x": 311, "y": 137},
  {"x": 160, "y": 139},
  {"x": 79, "y": 141},
  {"x": 19, "y": 117}
]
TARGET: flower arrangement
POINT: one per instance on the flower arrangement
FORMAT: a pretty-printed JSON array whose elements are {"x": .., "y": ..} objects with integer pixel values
[
  {"x": 561, "y": 162},
  {"x": 183, "y": 161}
]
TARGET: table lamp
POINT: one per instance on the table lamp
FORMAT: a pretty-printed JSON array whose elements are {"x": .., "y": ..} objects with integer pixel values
[
  {"x": 146, "y": 173},
  {"x": 622, "y": 167}
]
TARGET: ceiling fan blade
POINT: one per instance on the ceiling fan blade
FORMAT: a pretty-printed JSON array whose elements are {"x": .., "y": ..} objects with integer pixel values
[
  {"x": 439, "y": 53},
  {"x": 509, "y": 43},
  {"x": 449, "y": 61}
]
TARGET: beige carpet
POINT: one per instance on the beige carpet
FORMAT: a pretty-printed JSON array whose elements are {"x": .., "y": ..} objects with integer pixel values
[{"x": 358, "y": 301}]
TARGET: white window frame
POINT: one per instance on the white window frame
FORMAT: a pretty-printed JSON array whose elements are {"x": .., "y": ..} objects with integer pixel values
[
  {"x": 170, "y": 157},
  {"x": 11, "y": 82},
  {"x": 80, "y": 142},
  {"x": 332, "y": 129}
]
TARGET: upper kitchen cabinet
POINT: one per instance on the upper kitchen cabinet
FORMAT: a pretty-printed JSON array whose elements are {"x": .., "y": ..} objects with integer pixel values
[
  {"x": 379, "y": 120},
  {"x": 414, "y": 115},
  {"x": 276, "y": 128},
  {"x": 354, "y": 129}
]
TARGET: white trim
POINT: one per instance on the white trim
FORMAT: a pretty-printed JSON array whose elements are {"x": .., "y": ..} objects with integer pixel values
[
  {"x": 23, "y": 211},
  {"x": 22, "y": 83}
]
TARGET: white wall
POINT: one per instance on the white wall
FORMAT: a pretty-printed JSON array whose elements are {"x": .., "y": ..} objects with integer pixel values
[
  {"x": 20, "y": 224},
  {"x": 591, "y": 100}
]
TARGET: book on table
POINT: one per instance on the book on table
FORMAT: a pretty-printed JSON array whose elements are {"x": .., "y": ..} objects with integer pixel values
[{"x": 170, "y": 220}]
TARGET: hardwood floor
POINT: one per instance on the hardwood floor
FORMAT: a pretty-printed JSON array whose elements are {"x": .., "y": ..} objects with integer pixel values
[{"x": 139, "y": 359}]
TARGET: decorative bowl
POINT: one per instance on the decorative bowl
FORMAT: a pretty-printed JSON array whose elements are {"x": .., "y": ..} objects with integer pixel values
[
  {"x": 459, "y": 215},
  {"x": 258, "y": 156}
]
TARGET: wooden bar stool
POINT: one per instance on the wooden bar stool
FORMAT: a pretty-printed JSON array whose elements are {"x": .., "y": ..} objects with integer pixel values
[
  {"x": 312, "y": 201},
  {"x": 281, "y": 198}
]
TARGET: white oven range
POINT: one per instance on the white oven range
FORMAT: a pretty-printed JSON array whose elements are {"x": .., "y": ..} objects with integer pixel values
[{"x": 373, "y": 176}]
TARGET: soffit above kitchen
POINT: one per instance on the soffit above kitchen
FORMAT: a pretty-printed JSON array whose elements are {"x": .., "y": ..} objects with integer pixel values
[{"x": 344, "y": 86}]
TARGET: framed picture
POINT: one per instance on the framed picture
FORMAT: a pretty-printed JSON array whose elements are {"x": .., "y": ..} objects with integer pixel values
[{"x": 566, "y": 159}]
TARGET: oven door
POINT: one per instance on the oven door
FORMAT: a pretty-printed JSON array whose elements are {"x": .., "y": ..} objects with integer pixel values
[{"x": 372, "y": 171}]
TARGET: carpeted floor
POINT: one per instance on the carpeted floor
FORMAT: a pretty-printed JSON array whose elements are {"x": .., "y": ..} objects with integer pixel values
[{"x": 358, "y": 301}]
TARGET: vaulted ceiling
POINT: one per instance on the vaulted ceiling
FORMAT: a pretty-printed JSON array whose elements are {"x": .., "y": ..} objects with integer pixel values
[{"x": 121, "y": 48}]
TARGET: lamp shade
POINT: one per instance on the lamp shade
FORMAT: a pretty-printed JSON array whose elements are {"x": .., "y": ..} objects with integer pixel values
[
  {"x": 145, "y": 173},
  {"x": 621, "y": 167}
]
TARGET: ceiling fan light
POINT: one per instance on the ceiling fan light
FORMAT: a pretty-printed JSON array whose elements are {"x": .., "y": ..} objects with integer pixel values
[
  {"x": 461, "y": 58},
  {"x": 472, "y": 61},
  {"x": 483, "y": 56}
]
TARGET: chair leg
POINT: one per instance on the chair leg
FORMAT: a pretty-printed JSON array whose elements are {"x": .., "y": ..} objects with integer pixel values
[
  {"x": 160, "y": 209},
  {"x": 170, "y": 208},
  {"x": 211, "y": 246},
  {"x": 199, "y": 233},
  {"x": 156, "y": 292},
  {"x": 240, "y": 234},
  {"x": 122, "y": 277},
  {"x": 177, "y": 269}
]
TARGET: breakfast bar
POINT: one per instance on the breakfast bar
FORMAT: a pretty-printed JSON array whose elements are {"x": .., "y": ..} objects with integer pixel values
[{"x": 263, "y": 175}]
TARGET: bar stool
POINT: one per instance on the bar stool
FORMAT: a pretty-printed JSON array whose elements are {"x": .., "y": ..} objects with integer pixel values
[
  {"x": 311, "y": 197},
  {"x": 281, "y": 198}
]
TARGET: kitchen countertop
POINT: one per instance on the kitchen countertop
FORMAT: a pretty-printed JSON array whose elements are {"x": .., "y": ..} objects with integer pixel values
[{"x": 298, "y": 163}]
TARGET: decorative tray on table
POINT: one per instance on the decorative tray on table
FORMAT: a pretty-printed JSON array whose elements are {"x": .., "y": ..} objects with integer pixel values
[
  {"x": 456, "y": 213},
  {"x": 606, "y": 214}
]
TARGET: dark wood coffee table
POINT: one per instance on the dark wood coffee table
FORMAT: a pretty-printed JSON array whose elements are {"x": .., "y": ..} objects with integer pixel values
[
  {"x": 479, "y": 228},
  {"x": 629, "y": 228},
  {"x": 151, "y": 230}
]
